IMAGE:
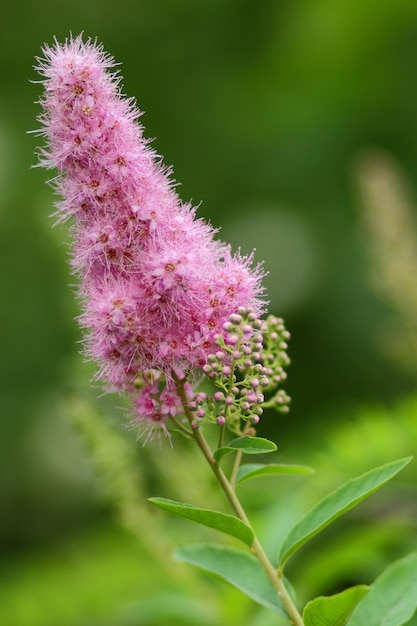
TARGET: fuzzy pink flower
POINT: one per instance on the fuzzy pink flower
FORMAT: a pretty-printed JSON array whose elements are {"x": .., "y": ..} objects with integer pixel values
[{"x": 155, "y": 284}]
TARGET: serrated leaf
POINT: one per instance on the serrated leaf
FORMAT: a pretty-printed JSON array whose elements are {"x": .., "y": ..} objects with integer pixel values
[
  {"x": 247, "y": 445},
  {"x": 238, "y": 568},
  {"x": 333, "y": 610},
  {"x": 392, "y": 599},
  {"x": 253, "y": 470},
  {"x": 335, "y": 504},
  {"x": 220, "y": 521}
]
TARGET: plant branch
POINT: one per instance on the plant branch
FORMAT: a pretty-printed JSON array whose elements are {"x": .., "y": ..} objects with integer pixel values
[
  {"x": 236, "y": 465},
  {"x": 182, "y": 428},
  {"x": 234, "y": 501}
]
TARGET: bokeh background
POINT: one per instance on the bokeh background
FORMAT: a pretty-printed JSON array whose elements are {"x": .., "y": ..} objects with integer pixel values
[{"x": 294, "y": 124}]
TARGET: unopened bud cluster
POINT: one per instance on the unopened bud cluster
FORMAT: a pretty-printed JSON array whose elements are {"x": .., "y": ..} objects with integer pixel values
[{"x": 248, "y": 366}]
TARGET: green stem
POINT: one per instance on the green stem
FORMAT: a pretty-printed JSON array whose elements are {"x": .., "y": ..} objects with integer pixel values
[
  {"x": 221, "y": 435},
  {"x": 238, "y": 458},
  {"x": 257, "y": 549},
  {"x": 236, "y": 465},
  {"x": 182, "y": 428}
]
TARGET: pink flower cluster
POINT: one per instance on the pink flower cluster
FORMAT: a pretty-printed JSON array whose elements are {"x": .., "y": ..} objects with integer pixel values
[{"x": 155, "y": 284}]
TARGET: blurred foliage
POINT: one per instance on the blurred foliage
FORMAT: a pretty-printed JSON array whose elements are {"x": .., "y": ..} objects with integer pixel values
[
  {"x": 390, "y": 229},
  {"x": 265, "y": 109}
]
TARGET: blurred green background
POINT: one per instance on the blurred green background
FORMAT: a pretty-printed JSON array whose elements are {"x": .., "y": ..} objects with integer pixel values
[{"x": 265, "y": 109}]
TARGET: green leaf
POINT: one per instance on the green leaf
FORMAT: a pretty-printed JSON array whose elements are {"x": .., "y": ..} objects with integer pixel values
[
  {"x": 253, "y": 470},
  {"x": 392, "y": 599},
  {"x": 238, "y": 568},
  {"x": 333, "y": 610},
  {"x": 335, "y": 504},
  {"x": 220, "y": 521},
  {"x": 248, "y": 445}
]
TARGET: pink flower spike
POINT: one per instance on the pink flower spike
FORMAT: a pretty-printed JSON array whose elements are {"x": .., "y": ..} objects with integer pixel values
[{"x": 157, "y": 289}]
